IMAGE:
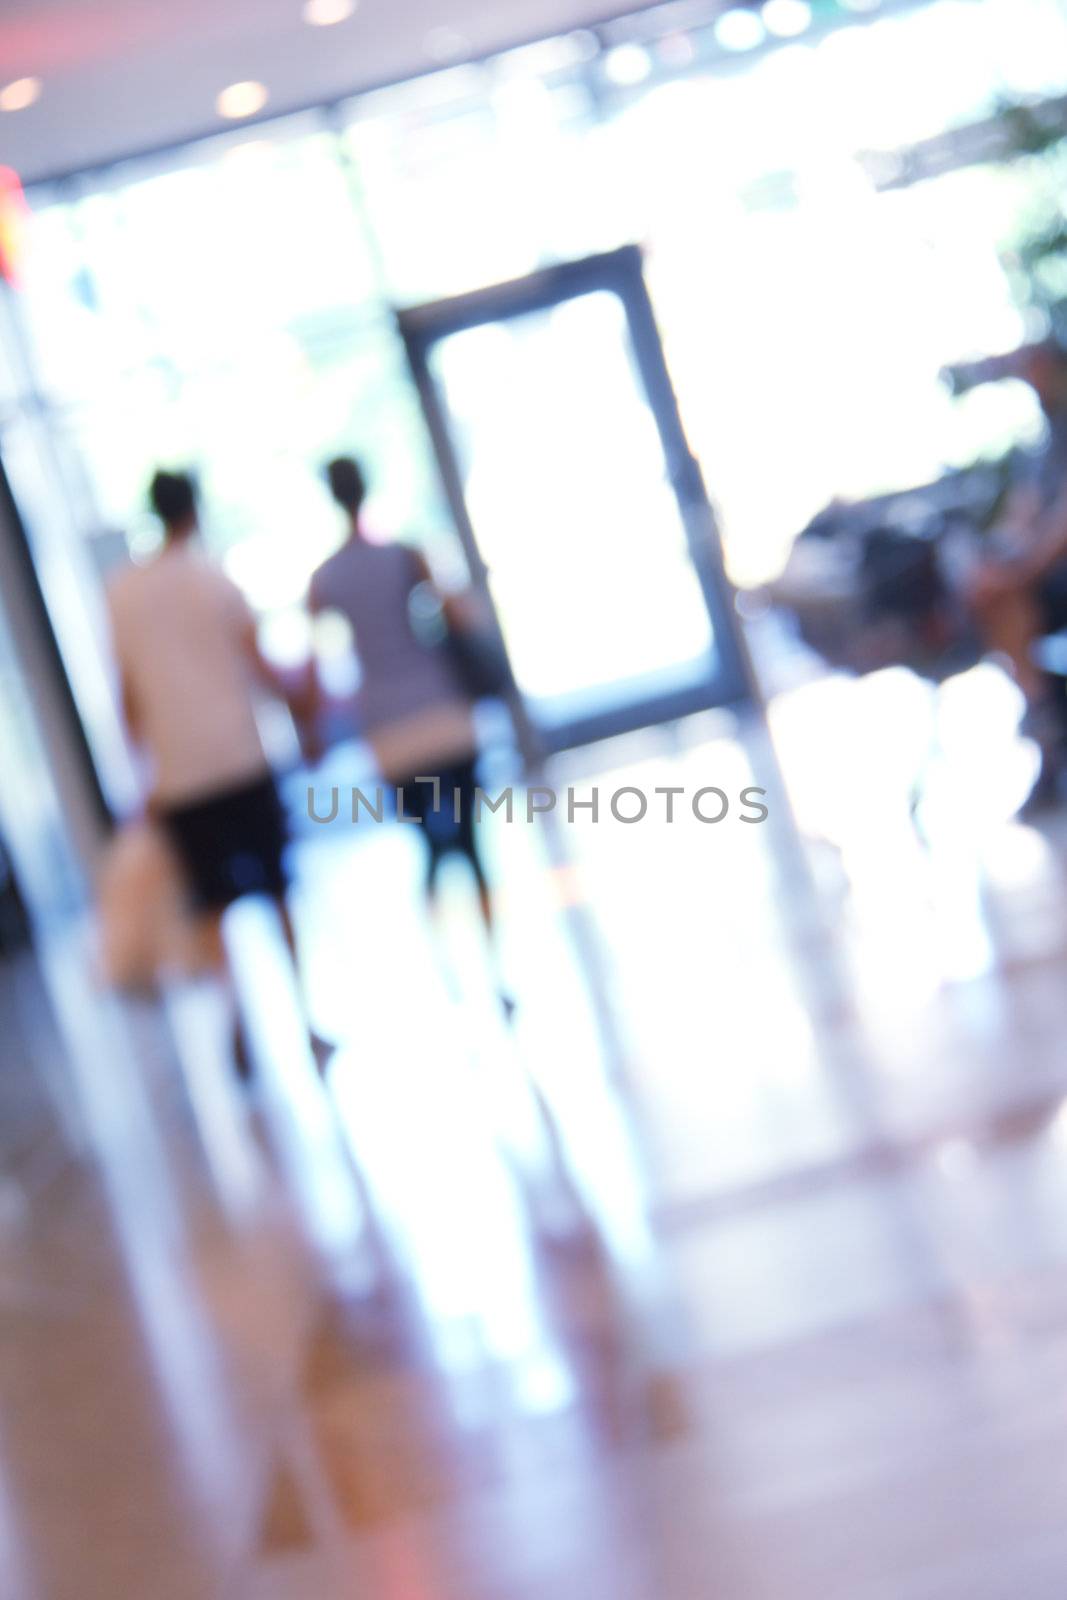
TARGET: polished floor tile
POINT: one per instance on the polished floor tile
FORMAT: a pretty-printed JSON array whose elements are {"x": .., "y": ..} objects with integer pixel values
[{"x": 735, "y": 1265}]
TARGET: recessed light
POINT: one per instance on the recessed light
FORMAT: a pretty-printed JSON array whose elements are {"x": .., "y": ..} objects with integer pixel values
[
  {"x": 860, "y": 5},
  {"x": 20, "y": 94},
  {"x": 241, "y": 100},
  {"x": 740, "y": 30},
  {"x": 786, "y": 18},
  {"x": 325, "y": 13},
  {"x": 627, "y": 64}
]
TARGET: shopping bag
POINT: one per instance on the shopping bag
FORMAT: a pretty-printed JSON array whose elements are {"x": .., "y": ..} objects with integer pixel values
[{"x": 145, "y": 927}]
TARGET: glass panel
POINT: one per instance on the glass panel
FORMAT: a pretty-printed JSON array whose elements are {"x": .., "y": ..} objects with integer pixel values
[
  {"x": 565, "y": 480},
  {"x": 806, "y": 317},
  {"x": 487, "y": 186},
  {"x": 32, "y": 831},
  {"x": 228, "y": 305},
  {"x": 72, "y": 594},
  {"x": 223, "y": 315}
]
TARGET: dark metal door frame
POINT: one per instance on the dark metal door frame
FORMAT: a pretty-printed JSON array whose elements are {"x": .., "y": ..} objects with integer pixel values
[{"x": 619, "y": 272}]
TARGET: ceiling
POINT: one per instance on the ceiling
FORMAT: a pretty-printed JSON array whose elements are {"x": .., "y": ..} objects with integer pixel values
[{"x": 121, "y": 76}]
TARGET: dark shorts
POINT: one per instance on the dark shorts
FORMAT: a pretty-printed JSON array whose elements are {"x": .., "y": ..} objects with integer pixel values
[
  {"x": 449, "y": 829},
  {"x": 1052, "y": 600},
  {"x": 231, "y": 843}
]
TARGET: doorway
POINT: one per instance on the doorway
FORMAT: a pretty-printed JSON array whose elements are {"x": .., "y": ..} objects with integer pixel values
[{"x": 582, "y": 511}]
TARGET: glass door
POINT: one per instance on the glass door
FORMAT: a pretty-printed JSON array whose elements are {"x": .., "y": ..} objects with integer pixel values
[{"x": 582, "y": 510}]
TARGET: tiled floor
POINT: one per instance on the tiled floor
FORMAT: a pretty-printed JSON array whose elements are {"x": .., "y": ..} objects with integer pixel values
[{"x": 736, "y": 1269}]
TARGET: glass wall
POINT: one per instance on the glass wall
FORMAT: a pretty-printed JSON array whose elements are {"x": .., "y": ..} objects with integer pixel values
[
  {"x": 231, "y": 306},
  {"x": 225, "y": 312},
  {"x": 48, "y": 481},
  {"x": 34, "y": 839}
]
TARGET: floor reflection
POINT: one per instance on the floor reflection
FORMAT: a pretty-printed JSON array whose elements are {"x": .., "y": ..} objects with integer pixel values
[{"x": 731, "y": 1264}]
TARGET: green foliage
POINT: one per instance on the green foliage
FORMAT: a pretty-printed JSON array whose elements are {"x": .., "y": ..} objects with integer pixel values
[{"x": 1036, "y": 256}]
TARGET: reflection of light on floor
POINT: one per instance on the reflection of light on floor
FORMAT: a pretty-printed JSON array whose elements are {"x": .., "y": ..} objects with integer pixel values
[
  {"x": 915, "y": 871},
  {"x": 980, "y": 770},
  {"x": 200, "y": 1027},
  {"x": 411, "y": 1094},
  {"x": 435, "y": 1090},
  {"x": 474, "y": 1137},
  {"x": 443, "y": 1193},
  {"x": 304, "y": 1122},
  {"x": 143, "y": 1206}
]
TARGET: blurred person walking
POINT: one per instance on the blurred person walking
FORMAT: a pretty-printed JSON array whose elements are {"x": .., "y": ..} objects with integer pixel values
[
  {"x": 189, "y": 667},
  {"x": 1019, "y": 593},
  {"x": 417, "y": 715}
]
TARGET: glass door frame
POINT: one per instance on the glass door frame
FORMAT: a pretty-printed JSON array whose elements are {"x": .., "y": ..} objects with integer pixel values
[{"x": 619, "y": 272}]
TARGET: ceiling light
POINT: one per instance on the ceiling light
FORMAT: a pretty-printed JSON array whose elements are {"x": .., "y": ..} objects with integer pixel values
[
  {"x": 627, "y": 64},
  {"x": 324, "y": 13},
  {"x": 740, "y": 30},
  {"x": 20, "y": 94},
  {"x": 241, "y": 100},
  {"x": 786, "y": 18},
  {"x": 860, "y": 5}
]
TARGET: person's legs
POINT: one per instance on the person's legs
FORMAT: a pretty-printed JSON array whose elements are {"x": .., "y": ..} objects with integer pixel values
[
  {"x": 467, "y": 843},
  {"x": 485, "y": 895},
  {"x": 211, "y": 946},
  {"x": 194, "y": 837},
  {"x": 1010, "y": 622},
  {"x": 263, "y": 832},
  {"x": 233, "y": 844},
  {"x": 1012, "y": 617},
  {"x": 451, "y": 829},
  {"x": 285, "y": 916},
  {"x": 214, "y": 947},
  {"x": 434, "y": 857},
  {"x": 213, "y": 956},
  {"x": 321, "y": 1048},
  {"x": 464, "y": 784},
  {"x": 220, "y": 962},
  {"x": 415, "y": 798}
]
